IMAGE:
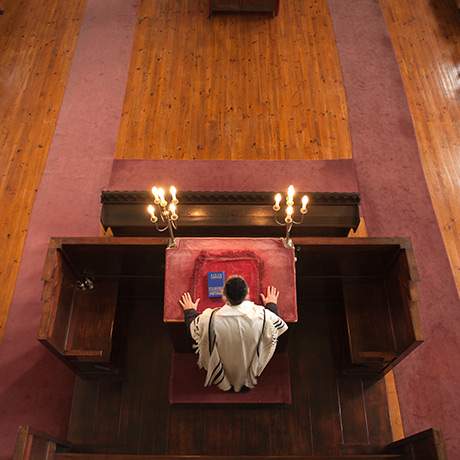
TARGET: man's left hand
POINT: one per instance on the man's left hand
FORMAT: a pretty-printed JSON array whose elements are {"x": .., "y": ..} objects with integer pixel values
[{"x": 187, "y": 303}]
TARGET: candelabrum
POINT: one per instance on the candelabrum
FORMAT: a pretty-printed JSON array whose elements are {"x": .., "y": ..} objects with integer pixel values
[
  {"x": 167, "y": 212},
  {"x": 289, "y": 219}
]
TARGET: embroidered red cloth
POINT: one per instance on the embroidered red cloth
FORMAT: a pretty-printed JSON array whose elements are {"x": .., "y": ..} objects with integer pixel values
[
  {"x": 242, "y": 263},
  {"x": 261, "y": 261}
]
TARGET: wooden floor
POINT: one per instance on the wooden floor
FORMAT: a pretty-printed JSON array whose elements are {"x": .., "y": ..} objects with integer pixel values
[
  {"x": 426, "y": 38},
  {"x": 329, "y": 414},
  {"x": 182, "y": 104},
  {"x": 37, "y": 40},
  {"x": 234, "y": 87}
]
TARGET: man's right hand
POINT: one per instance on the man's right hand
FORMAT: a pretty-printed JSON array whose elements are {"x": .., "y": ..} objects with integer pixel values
[
  {"x": 272, "y": 295},
  {"x": 187, "y": 303}
]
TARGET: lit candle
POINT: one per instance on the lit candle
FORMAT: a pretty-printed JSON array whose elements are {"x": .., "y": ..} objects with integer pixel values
[
  {"x": 155, "y": 195},
  {"x": 173, "y": 191},
  {"x": 305, "y": 201},
  {"x": 290, "y": 195},
  {"x": 289, "y": 212},
  {"x": 151, "y": 211},
  {"x": 172, "y": 210},
  {"x": 161, "y": 194},
  {"x": 276, "y": 206}
]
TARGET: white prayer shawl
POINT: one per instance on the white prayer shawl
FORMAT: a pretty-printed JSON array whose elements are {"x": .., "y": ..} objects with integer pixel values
[{"x": 235, "y": 343}]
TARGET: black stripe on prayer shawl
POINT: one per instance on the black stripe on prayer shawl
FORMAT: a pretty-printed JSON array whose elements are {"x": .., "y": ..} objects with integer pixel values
[
  {"x": 214, "y": 370},
  {"x": 211, "y": 340},
  {"x": 261, "y": 333},
  {"x": 222, "y": 378},
  {"x": 277, "y": 323},
  {"x": 280, "y": 326},
  {"x": 221, "y": 373}
]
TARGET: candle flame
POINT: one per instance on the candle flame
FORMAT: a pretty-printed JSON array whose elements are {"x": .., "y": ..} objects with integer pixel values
[{"x": 151, "y": 210}]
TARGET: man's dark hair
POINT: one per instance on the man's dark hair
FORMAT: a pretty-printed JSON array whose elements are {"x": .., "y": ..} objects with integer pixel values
[{"x": 235, "y": 290}]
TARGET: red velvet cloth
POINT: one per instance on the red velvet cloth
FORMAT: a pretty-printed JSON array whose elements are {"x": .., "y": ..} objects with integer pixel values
[
  {"x": 261, "y": 261},
  {"x": 242, "y": 263},
  {"x": 186, "y": 384}
]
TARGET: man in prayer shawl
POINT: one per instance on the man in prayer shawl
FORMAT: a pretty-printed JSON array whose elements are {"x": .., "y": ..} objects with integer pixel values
[{"x": 234, "y": 343}]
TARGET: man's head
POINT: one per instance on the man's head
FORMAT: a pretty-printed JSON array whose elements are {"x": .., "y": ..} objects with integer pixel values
[{"x": 235, "y": 290}]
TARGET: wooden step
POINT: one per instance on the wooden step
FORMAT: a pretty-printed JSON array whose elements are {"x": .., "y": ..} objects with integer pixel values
[{"x": 78, "y": 456}]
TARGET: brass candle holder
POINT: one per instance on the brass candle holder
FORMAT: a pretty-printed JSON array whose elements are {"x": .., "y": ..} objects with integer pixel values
[
  {"x": 289, "y": 221},
  {"x": 163, "y": 214}
]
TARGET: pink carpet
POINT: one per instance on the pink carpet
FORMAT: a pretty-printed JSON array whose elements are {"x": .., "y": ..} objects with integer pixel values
[
  {"x": 36, "y": 388},
  {"x": 186, "y": 384},
  {"x": 396, "y": 201},
  {"x": 210, "y": 175}
]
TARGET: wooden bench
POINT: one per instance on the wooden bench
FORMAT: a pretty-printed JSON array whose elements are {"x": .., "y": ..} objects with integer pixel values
[
  {"x": 371, "y": 285},
  {"x": 84, "y": 327},
  {"x": 32, "y": 445},
  {"x": 244, "y": 6}
]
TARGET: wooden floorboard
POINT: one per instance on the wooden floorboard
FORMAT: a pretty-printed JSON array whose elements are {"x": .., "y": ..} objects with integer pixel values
[
  {"x": 234, "y": 87},
  {"x": 37, "y": 41},
  {"x": 134, "y": 416},
  {"x": 426, "y": 39}
]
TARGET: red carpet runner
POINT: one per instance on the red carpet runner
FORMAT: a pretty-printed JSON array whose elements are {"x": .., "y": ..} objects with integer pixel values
[
  {"x": 396, "y": 201},
  {"x": 36, "y": 388}
]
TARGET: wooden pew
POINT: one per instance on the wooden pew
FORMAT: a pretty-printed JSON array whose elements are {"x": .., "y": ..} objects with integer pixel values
[
  {"x": 33, "y": 445},
  {"x": 371, "y": 283},
  {"x": 244, "y": 6},
  {"x": 84, "y": 327},
  {"x": 427, "y": 445}
]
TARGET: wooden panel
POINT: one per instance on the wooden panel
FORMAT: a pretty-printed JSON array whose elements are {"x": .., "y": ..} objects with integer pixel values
[
  {"x": 321, "y": 258},
  {"x": 389, "y": 382},
  {"x": 74, "y": 456},
  {"x": 79, "y": 326},
  {"x": 65, "y": 288},
  {"x": 375, "y": 400},
  {"x": 403, "y": 305},
  {"x": 426, "y": 445},
  {"x": 92, "y": 319},
  {"x": 116, "y": 257},
  {"x": 31, "y": 447},
  {"x": 83, "y": 408},
  {"x": 234, "y": 87},
  {"x": 252, "y": 6},
  {"x": 37, "y": 40},
  {"x": 425, "y": 37},
  {"x": 34, "y": 445},
  {"x": 57, "y": 294},
  {"x": 353, "y": 421},
  {"x": 368, "y": 322}
]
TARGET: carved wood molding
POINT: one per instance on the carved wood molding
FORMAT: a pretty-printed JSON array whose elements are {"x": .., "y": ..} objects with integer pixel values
[
  {"x": 230, "y": 213},
  {"x": 250, "y": 198}
]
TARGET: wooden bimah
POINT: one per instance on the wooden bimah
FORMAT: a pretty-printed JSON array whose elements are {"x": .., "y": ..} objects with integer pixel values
[{"x": 368, "y": 284}]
